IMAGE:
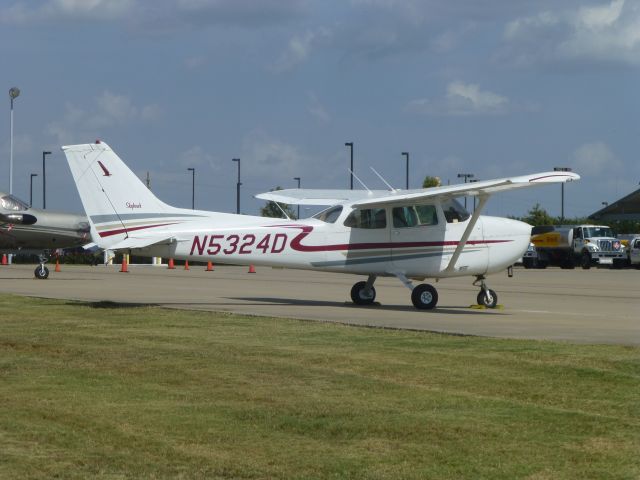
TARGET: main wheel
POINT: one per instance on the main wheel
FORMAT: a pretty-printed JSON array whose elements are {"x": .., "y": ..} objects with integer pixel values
[
  {"x": 585, "y": 261},
  {"x": 41, "y": 272},
  {"x": 488, "y": 298},
  {"x": 361, "y": 296},
  {"x": 424, "y": 297}
]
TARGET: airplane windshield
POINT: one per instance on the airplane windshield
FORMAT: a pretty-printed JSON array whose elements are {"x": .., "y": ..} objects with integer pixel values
[
  {"x": 454, "y": 212},
  {"x": 9, "y": 202},
  {"x": 329, "y": 215}
]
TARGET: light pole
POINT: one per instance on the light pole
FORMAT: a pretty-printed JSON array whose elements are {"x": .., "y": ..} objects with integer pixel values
[
  {"x": 298, "y": 179},
  {"x": 237, "y": 186},
  {"x": 466, "y": 176},
  {"x": 44, "y": 181},
  {"x": 193, "y": 187},
  {"x": 350, "y": 145},
  {"x": 31, "y": 188},
  {"x": 14, "y": 92},
  {"x": 406, "y": 155},
  {"x": 561, "y": 169}
]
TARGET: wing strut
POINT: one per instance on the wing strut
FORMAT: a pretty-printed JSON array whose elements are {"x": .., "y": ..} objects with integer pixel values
[{"x": 465, "y": 236}]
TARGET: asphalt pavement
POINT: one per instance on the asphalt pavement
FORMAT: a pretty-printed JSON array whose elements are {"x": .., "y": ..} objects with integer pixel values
[{"x": 593, "y": 306}]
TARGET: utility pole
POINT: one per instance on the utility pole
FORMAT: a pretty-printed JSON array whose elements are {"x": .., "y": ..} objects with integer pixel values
[{"x": 350, "y": 145}]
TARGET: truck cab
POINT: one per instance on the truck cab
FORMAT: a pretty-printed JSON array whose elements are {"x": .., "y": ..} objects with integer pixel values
[
  {"x": 634, "y": 252},
  {"x": 598, "y": 245}
]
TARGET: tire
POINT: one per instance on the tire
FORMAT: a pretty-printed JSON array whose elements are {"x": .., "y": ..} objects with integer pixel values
[
  {"x": 568, "y": 264},
  {"x": 488, "y": 302},
  {"x": 585, "y": 261},
  {"x": 424, "y": 297},
  {"x": 528, "y": 263},
  {"x": 358, "y": 294},
  {"x": 41, "y": 272}
]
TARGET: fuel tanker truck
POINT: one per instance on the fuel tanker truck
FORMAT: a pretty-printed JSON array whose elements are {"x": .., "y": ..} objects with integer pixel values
[{"x": 569, "y": 245}]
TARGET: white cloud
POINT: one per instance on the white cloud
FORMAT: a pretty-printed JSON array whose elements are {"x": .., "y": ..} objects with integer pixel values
[
  {"x": 317, "y": 110},
  {"x": 111, "y": 110},
  {"x": 607, "y": 33},
  {"x": 461, "y": 99},
  {"x": 197, "y": 156},
  {"x": 299, "y": 49},
  {"x": 592, "y": 159},
  {"x": 26, "y": 12},
  {"x": 265, "y": 156}
]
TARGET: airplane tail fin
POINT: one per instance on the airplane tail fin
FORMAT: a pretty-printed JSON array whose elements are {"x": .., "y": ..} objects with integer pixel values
[{"x": 119, "y": 206}]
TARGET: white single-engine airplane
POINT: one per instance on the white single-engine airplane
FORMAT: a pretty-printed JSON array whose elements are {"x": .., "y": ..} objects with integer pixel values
[{"x": 413, "y": 234}]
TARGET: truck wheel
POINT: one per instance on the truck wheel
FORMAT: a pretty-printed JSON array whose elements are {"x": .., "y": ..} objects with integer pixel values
[
  {"x": 527, "y": 263},
  {"x": 585, "y": 261}
]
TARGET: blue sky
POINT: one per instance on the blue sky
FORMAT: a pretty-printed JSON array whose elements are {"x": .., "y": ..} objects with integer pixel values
[{"x": 495, "y": 88}]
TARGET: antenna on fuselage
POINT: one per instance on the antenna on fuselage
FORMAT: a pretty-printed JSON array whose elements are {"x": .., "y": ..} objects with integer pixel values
[
  {"x": 382, "y": 178},
  {"x": 361, "y": 182}
]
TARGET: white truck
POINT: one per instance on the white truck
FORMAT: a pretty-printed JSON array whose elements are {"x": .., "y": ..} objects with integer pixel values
[
  {"x": 633, "y": 252},
  {"x": 570, "y": 245}
]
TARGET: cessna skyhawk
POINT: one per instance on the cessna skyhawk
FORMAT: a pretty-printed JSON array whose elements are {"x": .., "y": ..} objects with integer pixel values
[
  {"x": 26, "y": 228},
  {"x": 410, "y": 235}
]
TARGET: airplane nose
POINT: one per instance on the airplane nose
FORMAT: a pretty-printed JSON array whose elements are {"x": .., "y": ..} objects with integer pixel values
[{"x": 507, "y": 240}]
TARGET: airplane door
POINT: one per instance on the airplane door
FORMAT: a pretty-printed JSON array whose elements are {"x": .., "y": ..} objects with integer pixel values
[
  {"x": 362, "y": 244},
  {"x": 417, "y": 238}
]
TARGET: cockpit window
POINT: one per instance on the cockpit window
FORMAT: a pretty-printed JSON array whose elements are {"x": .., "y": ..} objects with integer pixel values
[
  {"x": 414, "y": 216},
  {"x": 9, "y": 202},
  {"x": 454, "y": 212},
  {"x": 367, "y": 218},
  {"x": 329, "y": 215}
]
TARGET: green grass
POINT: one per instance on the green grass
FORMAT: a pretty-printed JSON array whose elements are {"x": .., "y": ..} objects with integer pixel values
[{"x": 142, "y": 392}]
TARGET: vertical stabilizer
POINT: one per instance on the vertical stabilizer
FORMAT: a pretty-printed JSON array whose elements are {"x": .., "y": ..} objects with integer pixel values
[{"x": 115, "y": 200}]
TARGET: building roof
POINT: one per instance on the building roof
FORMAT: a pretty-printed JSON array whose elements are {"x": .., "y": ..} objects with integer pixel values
[{"x": 627, "y": 208}]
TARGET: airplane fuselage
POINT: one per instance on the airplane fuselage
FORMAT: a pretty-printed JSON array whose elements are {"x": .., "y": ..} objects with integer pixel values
[{"x": 421, "y": 251}]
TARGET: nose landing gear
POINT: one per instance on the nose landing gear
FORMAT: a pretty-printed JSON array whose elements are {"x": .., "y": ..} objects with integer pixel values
[
  {"x": 41, "y": 272},
  {"x": 486, "y": 296}
]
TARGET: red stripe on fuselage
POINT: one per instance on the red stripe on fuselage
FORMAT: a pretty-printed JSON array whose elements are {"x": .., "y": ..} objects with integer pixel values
[
  {"x": 125, "y": 230},
  {"x": 296, "y": 243}
]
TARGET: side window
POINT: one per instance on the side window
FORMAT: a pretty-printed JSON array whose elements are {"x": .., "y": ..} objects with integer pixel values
[
  {"x": 367, "y": 218},
  {"x": 414, "y": 216},
  {"x": 637, "y": 245},
  {"x": 577, "y": 233}
]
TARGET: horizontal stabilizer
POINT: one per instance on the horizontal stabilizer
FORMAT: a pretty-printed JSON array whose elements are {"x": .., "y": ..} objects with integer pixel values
[{"x": 133, "y": 243}]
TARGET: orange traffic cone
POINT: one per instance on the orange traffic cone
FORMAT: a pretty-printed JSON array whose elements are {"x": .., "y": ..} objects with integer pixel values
[
  {"x": 4, "y": 259},
  {"x": 209, "y": 267},
  {"x": 57, "y": 265},
  {"x": 124, "y": 267},
  {"x": 171, "y": 265},
  {"x": 252, "y": 269},
  {"x": 186, "y": 264}
]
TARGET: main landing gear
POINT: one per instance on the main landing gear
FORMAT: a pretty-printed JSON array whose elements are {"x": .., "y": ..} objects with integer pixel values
[{"x": 423, "y": 296}]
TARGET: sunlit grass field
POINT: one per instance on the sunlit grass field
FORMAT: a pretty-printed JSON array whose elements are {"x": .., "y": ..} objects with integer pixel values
[{"x": 109, "y": 391}]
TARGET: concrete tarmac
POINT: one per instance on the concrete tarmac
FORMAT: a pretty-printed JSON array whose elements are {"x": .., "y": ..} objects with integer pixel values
[{"x": 593, "y": 306}]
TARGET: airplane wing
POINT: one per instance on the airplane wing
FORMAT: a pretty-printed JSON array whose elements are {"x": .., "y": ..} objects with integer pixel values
[
  {"x": 388, "y": 197},
  {"x": 306, "y": 196}
]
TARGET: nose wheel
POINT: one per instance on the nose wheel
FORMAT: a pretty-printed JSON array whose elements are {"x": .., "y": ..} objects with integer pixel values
[
  {"x": 41, "y": 272},
  {"x": 486, "y": 296}
]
